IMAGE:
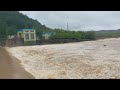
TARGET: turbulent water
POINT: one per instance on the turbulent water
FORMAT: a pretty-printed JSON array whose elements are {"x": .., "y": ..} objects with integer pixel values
[{"x": 84, "y": 60}]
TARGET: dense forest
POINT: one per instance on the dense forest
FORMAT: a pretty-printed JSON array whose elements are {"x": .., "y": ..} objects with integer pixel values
[{"x": 77, "y": 35}]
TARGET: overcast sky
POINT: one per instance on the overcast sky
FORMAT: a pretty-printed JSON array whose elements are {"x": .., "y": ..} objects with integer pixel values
[{"x": 77, "y": 20}]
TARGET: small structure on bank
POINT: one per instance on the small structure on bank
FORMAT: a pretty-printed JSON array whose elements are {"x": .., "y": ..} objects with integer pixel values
[
  {"x": 11, "y": 36},
  {"x": 47, "y": 35},
  {"x": 27, "y": 35}
]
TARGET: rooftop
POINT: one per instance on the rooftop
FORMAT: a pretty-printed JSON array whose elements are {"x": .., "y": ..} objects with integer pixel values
[{"x": 25, "y": 29}]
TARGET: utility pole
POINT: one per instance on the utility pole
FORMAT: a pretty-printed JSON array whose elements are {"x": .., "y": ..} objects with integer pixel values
[
  {"x": 67, "y": 24},
  {"x": 67, "y": 27}
]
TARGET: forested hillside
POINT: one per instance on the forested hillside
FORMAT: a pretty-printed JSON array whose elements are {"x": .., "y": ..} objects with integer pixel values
[{"x": 10, "y": 21}]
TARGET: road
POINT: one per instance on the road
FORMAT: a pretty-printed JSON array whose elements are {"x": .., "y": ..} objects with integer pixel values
[{"x": 10, "y": 67}]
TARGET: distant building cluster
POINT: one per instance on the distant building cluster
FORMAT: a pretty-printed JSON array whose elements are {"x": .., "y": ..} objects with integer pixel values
[{"x": 28, "y": 36}]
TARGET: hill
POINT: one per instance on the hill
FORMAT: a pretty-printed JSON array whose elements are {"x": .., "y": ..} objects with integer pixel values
[
  {"x": 107, "y": 34},
  {"x": 10, "y": 21}
]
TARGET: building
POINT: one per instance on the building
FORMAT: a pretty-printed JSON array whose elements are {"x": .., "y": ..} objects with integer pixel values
[
  {"x": 28, "y": 35},
  {"x": 47, "y": 35},
  {"x": 11, "y": 36}
]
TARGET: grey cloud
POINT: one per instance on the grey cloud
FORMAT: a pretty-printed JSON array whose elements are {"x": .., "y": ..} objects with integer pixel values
[{"x": 78, "y": 20}]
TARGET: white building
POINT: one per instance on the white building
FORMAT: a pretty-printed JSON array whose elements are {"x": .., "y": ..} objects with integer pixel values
[
  {"x": 27, "y": 35},
  {"x": 11, "y": 36}
]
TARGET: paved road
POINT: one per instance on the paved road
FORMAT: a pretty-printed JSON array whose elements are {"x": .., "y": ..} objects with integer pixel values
[{"x": 10, "y": 67}]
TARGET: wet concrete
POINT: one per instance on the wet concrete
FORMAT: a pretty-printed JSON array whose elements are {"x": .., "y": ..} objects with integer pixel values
[{"x": 10, "y": 67}]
